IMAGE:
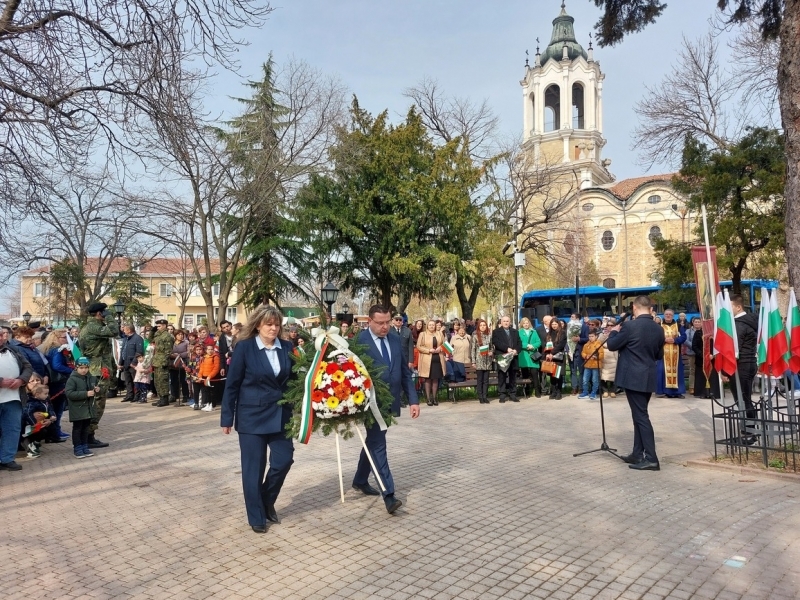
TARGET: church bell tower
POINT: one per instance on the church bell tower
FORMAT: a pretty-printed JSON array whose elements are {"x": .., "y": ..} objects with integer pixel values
[{"x": 563, "y": 106}]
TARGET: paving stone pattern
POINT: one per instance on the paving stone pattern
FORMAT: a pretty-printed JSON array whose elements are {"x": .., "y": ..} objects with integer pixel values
[{"x": 495, "y": 507}]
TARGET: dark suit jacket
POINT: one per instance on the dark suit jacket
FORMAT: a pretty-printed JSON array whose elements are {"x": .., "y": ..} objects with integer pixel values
[
  {"x": 406, "y": 342},
  {"x": 541, "y": 331},
  {"x": 252, "y": 391},
  {"x": 640, "y": 343},
  {"x": 131, "y": 346},
  {"x": 503, "y": 344},
  {"x": 397, "y": 375}
]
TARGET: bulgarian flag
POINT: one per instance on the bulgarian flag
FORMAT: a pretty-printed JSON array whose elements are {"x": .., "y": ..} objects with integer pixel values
[
  {"x": 726, "y": 343},
  {"x": 73, "y": 347},
  {"x": 484, "y": 350},
  {"x": 772, "y": 345},
  {"x": 447, "y": 347},
  {"x": 793, "y": 332}
]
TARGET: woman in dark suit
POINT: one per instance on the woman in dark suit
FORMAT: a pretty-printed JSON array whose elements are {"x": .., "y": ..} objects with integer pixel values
[{"x": 258, "y": 376}]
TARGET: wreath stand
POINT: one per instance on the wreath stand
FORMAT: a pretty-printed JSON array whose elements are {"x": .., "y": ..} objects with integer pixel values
[{"x": 369, "y": 457}]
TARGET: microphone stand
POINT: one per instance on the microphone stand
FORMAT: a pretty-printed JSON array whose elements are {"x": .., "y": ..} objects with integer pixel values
[{"x": 604, "y": 447}]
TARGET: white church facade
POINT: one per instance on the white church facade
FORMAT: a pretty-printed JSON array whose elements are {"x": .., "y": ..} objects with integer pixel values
[{"x": 612, "y": 223}]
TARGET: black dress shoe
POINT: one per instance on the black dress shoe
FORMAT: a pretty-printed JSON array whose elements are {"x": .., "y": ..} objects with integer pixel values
[
  {"x": 259, "y": 528},
  {"x": 366, "y": 489},
  {"x": 515, "y": 400},
  {"x": 631, "y": 459},
  {"x": 272, "y": 516},
  {"x": 95, "y": 443},
  {"x": 392, "y": 503},
  {"x": 645, "y": 465}
]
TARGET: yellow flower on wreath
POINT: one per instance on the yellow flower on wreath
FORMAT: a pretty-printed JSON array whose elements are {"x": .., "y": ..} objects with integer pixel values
[
  {"x": 358, "y": 397},
  {"x": 338, "y": 377},
  {"x": 332, "y": 403}
]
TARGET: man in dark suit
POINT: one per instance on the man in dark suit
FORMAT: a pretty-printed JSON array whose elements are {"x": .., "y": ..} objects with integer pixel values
[
  {"x": 385, "y": 350},
  {"x": 406, "y": 339},
  {"x": 505, "y": 339},
  {"x": 640, "y": 343}
]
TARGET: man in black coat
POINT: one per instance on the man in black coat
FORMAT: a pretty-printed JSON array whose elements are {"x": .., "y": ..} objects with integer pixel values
[
  {"x": 747, "y": 336},
  {"x": 640, "y": 343},
  {"x": 132, "y": 344},
  {"x": 505, "y": 339}
]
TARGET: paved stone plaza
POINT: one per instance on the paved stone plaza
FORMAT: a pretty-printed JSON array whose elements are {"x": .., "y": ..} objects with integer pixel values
[{"x": 495, "y": 507}]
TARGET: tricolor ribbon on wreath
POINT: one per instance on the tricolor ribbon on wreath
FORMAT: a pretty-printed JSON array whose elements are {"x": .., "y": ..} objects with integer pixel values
[{"x": 324, "y": 340}]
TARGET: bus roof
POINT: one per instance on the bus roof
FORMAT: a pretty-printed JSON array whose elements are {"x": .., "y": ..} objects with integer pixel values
[{"x": 599, "y": 291}]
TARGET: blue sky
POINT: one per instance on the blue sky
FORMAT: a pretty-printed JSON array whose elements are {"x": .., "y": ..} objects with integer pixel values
[{"x": 473, "y": 49}]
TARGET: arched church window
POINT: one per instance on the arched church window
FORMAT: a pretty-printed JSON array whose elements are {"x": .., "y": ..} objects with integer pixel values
[
  {"x": 654, "y": 235},
  {"x": 577, "y": 106},
  {"x": 654, "y": 199},
  {"x": 609, "y": 282},
  {"x": 607, "y": 240},
  {"x": 552, "y": 108}
]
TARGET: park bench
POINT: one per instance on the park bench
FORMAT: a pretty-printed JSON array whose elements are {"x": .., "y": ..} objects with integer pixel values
[{"x": 471, "y": 381}]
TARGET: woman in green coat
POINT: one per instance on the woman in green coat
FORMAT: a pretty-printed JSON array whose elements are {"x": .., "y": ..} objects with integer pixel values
[
  {"x": 531, "y": 345},
  {"x": 81, "y": 390}
]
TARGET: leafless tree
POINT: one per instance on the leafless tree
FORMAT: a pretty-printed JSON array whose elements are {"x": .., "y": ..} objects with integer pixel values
[
  {"x": 79, "y": 78},
  {"x": 693, "y": 99},
  {"x": 225, "y": 202},
  {"x": 533, "y": 201},
  {"x": 450, "y": 117},
  {"x": 85, "y": 221}
]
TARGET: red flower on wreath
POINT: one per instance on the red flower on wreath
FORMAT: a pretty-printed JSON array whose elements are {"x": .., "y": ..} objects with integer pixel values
[
  {"x": 348, "y": 366},
  {"x": 367, "y": 383},
  {"x": 331, "y": 368},
  {"x": 317, "y": 396}
]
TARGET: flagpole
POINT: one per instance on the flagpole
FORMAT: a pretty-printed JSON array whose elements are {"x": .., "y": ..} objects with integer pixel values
[{"x": 712, "y": 273}]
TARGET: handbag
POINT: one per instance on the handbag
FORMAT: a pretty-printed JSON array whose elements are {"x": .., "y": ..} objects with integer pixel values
[
  {"x": 536, "y": 356},
  {"x": 548, "y": 367},
  {"x": 558, "y": 356}
]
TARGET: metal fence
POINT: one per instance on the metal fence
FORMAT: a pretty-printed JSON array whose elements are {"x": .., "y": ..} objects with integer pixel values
[{"x": 770, "y": 433}]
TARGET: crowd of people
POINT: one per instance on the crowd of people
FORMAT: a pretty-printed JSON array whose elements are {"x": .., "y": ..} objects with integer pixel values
[{"x": 163, "y": 365}]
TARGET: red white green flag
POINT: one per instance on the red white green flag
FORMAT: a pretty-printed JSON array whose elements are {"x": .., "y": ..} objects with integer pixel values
[
  {"x": 726, "y": 343},
  {"x": 763, "y": 327},
  {"x": 793, "y": 332},
  {"x": 772, "y": 345}
]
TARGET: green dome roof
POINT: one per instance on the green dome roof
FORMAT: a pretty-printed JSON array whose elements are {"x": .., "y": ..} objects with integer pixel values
[{"x": 563, "y": 34}]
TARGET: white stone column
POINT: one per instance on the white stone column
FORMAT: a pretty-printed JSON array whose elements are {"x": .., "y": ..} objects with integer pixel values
[
  {"x": 600, "y": 106},
  {"x": 527, "y": 117}
]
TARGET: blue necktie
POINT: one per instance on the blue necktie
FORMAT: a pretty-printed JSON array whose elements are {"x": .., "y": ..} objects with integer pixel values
[{"x": 385, "y": 351}]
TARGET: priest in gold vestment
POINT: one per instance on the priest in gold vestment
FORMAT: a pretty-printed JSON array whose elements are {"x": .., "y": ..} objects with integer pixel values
[{"x": 671, "y": 380}]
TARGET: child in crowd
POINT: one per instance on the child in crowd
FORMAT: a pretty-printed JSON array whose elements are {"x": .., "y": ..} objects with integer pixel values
[
  {"x": 38, "y": 419},
  {"x": 192, "y": 368},
  {"x": 81, "y": 390},
  {"x": 141, "y": 381},
  {"x": 592, "y": 354},
  {"x": 207, "y": 370}
]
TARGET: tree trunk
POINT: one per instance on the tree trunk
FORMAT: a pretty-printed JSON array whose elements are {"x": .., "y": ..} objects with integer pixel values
[
  {"x": 789, "y": 90},
  {"x": 736, "y": 276},
  {"x": 467, "y": 302}
]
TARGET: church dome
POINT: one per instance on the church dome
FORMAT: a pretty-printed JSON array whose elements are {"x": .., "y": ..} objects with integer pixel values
[{"x": 563, "y": 35}]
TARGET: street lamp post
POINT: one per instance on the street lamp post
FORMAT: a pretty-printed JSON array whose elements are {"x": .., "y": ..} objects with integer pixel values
[
  {"x": 329, "y": 294},
  {"x": 119, "y": 308},
  {"x": 345, "y": 308},
  {"x": 26, "y": 318}
]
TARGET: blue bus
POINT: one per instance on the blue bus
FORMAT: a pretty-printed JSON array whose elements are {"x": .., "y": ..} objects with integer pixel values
[{"x": 598, "y": 301}]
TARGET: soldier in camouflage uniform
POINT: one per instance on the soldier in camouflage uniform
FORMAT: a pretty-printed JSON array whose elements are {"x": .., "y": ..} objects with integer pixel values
[
  {"x": 163, "y": 342},
  {"x": 95, "y": 344}
]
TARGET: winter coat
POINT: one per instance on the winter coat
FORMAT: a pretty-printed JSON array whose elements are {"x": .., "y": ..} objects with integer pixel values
[
  {"x": 481, "y": 362},
  {"x": 609, "y": 370},
  {"x": 461, "y": 348},
  {"x": 142, "y": 373},
  {"x": 529, "y": 337},
  {"x": 593, "y": 360},
  {"x": 179, "y": 349},
  {"x": 81, "y": 406},
  {"x": 209, "y": 367},
  {"x": 425, "y": 345},
  {"x": 747, "y": 334},
  {"x": 33, "y": 355}
]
